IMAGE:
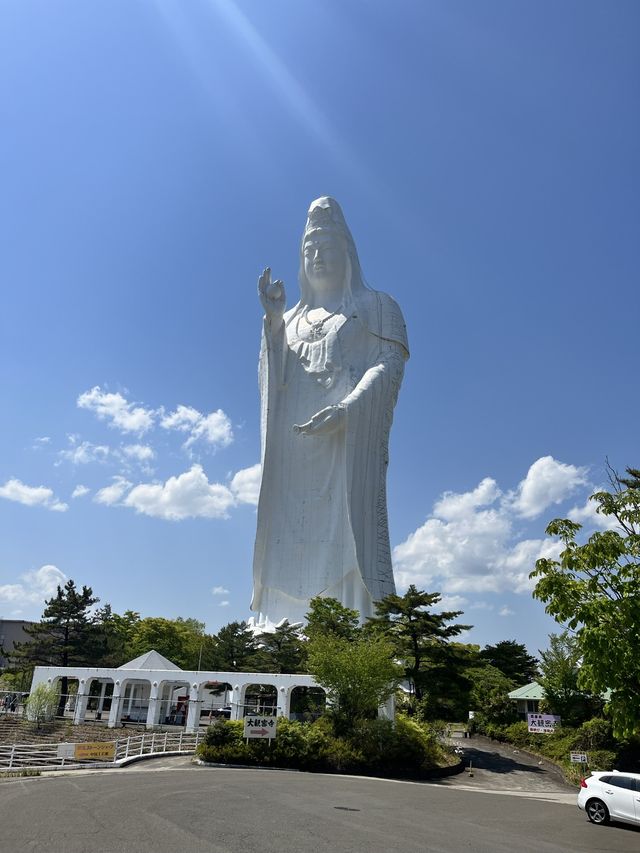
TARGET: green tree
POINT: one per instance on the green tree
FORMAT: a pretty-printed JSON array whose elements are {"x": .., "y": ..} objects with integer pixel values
[
  {"x": 65, "y": 635},
  {"x": 179, "y": 640},
  {"x": 358, "y": 675},
  {"x": 489, "y": 695},
  {"x": 113, "y": 635},
  {"x": 282, "y": 650},
  {"x": 513, "y": 660},
  {"x": 419, "y": 635},
  {"x": 560, "y": 674},
  {"x": 236, "y": 648},
  {"x": 594, "y": 589},
  {"x": 445, "y": 681},
  {"x": 329, "y": 616}
]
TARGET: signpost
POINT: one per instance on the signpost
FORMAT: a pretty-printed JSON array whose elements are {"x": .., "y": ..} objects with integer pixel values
[
  {"x": 579, "y": 757},
  {"x": 260, "y": 726},
  {"x": 542, "y": 723}
]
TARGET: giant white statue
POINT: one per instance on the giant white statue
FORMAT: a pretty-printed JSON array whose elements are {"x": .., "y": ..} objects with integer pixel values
[{"x": 330, "y": 370}]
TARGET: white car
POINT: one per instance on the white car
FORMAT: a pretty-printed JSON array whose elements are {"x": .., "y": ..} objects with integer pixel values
[{"x": 611, "y": 795}]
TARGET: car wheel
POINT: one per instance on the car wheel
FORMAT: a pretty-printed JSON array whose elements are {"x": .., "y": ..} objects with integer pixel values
[{"x": 597, "y": 812}]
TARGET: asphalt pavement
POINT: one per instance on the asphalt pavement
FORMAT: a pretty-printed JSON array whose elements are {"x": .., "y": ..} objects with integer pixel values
[
  {"x": 499, "y": 767},
  {"x": 165, "y": 805}
]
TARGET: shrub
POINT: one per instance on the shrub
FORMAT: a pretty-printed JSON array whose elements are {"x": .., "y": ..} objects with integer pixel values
[
  {"x": 597, "y": 733},
  {"x": 601, "y": 759},
  {"x": 375, "y": 746},
  {"x": 41, "y": 704},
  {"x": 300, "y": 745},
  {"x": 224, "y": 732}
]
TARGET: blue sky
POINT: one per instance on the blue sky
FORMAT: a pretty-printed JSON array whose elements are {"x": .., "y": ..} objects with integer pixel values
[{"x": 155, "y": 156}]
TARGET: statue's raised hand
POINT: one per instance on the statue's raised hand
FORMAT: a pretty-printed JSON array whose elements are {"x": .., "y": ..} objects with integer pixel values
[{"x": 272, "y": 295}]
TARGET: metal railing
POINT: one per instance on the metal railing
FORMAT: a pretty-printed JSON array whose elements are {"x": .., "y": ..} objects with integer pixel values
[{"x": 19, "y": 756}]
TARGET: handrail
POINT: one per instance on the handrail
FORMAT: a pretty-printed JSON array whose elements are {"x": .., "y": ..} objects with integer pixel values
[{"x": 54, "y": 755}]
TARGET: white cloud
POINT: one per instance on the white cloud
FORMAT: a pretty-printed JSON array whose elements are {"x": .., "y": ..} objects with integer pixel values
[
  {"x": 214, "y": 429},
  {"x": 471, "y": 544},
  {"x": 79, "y": 491},
  {"x": 41, "y": 441},
  {"x": 189, "y": 495},
  {"x": 452, "y": 602},
  {"x": 36, "y": 586},
  {"x": 16, "y": 490},
  {"x": 505, "y": 611},
  {"x": 224, "y": 603},
  {"x": 219, "y": 590},
  {"x": 84, "y": 452},
  {"x": 117, "y": 410},
  {"x": 112, "y": 494},
  {"x": 139, "y": 452},
  {"x": 547, "y": 482},
  {"x": 245, "y": 484},
  {"x": 184, "y": 419},
  {"x": 589, "y": 517},
  {"x": 463, "y": 551},
  {"x": 452, "y": 506}
]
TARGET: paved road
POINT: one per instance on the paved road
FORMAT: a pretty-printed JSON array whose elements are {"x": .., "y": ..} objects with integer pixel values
[
  {"x": 166, "y": 806},
  {"x": 501, "y": 767}
]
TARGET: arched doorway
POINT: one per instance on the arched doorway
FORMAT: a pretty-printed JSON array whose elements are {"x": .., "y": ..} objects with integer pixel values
[
  {"x": 306, "y": 704},
  {"x": 259, "y": 699}
]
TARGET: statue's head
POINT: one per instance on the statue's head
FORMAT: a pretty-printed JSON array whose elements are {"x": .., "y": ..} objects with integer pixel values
[{"x": 328, "y": 253}]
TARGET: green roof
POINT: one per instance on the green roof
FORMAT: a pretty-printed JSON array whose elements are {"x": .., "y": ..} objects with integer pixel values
[
  {"x": 529, "y": 691},
  {"x": 535, "y": 691}
]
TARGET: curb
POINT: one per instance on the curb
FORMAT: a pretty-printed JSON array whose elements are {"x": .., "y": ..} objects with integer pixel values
[{"x": 429, "y": 775}]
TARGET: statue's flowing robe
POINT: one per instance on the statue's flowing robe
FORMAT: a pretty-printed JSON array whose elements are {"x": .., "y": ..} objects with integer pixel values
[{"x": 322, "y": 513}]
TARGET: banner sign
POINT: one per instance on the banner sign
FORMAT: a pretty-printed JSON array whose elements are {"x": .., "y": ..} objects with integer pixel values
[{"x": 542, "y": 723}]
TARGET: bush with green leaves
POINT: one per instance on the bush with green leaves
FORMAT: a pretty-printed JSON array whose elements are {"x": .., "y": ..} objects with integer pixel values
[
  {"x": 358, "y": 675},
  {"x": 373, "y": 746}
]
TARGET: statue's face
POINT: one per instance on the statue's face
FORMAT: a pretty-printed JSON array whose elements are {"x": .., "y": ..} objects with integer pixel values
[{"x": 324, "y": 259}]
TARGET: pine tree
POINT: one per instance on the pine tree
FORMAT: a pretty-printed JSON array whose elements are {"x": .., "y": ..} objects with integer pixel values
[
  {"x": 65, "y": 635},
  {"x": 329, "y": 616},
  {"x": 419, "y": 635},
  {"x": 282, "y": 650},
  {"x": 513, "y": 660},
  {"x": 236, "y": 647}
]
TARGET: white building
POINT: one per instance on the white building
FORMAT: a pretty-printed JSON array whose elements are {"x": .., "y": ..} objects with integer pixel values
[{"x": 154, "y": 691}]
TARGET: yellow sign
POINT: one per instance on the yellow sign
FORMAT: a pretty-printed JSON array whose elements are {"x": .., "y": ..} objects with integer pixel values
[{"x": 105, "y": 750}]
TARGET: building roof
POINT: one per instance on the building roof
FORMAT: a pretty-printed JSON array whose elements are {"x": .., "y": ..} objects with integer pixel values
[
  {"x": 535, "y": 691},
  {"x": 150, "y": 660},
  {"x": 529, "y": 691}
]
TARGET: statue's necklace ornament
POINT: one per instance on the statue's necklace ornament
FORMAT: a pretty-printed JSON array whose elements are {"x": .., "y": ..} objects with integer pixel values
[{"x": 316, "y": 327}]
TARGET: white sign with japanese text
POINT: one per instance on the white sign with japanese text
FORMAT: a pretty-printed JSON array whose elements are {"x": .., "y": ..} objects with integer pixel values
[
  {"x": 260, "y": 725},
  {"x": 579, "y": 757},
  {"x": 542, "y": 723}
]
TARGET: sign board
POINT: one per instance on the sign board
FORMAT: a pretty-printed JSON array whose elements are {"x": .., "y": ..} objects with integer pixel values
[
  {"x": 102, "y": 750},
  {"x": 66, "y": 750},
  {"x": 579, "y": 757},
  {"x": 542, "y": 723},
  {"x": 260, "y": 726}
]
